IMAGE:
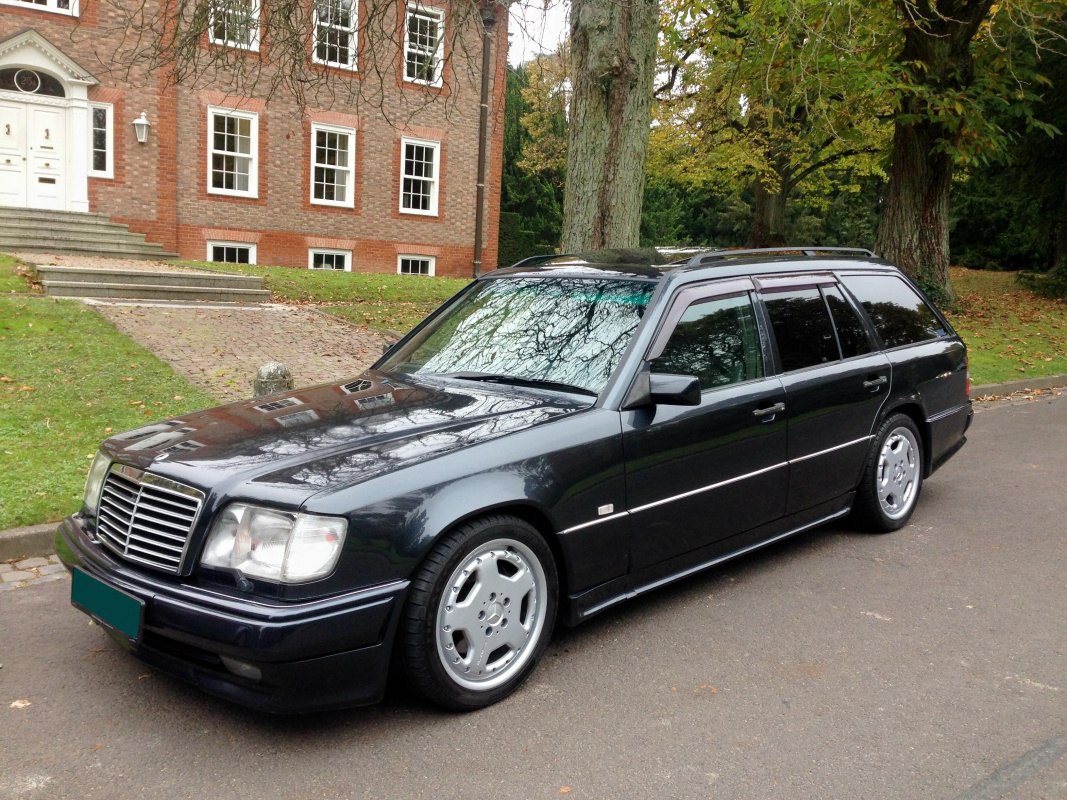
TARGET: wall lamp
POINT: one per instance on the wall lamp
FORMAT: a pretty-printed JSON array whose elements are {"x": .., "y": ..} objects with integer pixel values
[{"x": 141, "y": 126}]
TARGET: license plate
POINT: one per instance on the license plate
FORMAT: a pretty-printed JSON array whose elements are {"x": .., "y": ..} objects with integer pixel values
[{"x": 106, "y": 604}]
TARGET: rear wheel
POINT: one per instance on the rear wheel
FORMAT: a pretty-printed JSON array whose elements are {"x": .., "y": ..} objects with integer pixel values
[
  {"x": 892, "y": 476},
  {"x": 480, "y": 613}
]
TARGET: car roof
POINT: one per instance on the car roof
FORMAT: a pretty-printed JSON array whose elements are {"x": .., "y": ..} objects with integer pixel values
[{"x": 650, "y": 264}]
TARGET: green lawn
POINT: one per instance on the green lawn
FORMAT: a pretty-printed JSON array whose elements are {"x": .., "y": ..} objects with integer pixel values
[
  {"x": 380, "y": 301},
  {"x": 1011, "y": 332},
  {"x": 68, "y": 379},
  {"x": 11, "y": 280}
]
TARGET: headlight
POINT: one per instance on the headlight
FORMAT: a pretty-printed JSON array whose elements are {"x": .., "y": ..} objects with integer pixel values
[
  {"x": 274, "y": 545},
  {"x": 94, "y": 483}
]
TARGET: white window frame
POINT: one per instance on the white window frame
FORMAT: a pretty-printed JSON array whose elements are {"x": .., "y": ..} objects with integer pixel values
[
  {"x": 109, "y": 140},
  {"x": 415, "y": 257},
  {"x": 350, "y": 186},
  {"x": 438, "y": 54},
  {"x": 50, "y": 6},
  {"x": 253, "y": 165},
  {"x": 250, "y": 246},
  {"x": 435, "y": 181},
  {"x": 254, "y": 22},
  {"x": 314, "y": 251},
  {"x": 352, "y": 29}
]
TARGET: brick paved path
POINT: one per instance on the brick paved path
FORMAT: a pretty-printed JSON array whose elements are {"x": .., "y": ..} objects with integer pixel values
[
  {"x": 17, "y": 574},
  {"x": 220, "y": 349}
]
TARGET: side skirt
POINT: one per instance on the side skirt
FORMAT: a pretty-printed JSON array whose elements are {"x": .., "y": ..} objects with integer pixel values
[{"x": 600, "y": 598}]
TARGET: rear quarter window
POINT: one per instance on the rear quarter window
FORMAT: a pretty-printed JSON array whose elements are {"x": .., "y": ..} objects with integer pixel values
[{"x": 899, "y": 314}]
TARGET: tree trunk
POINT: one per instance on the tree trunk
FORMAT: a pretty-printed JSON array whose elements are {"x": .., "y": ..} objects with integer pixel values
[
  {"x": 913, "y": 229},
  {"x": 768, "y": 222},
  {"x": 613, "y": 49},
  {"x": 936, "y": 56}
]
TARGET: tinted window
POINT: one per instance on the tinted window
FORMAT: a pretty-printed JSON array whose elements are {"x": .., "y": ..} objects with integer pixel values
[
  {"x": 851, "y": 333},
  {"x": 716, "y": 340},
  {"x": 899, "y": 315},
  {"x": 802, "y": 328}
]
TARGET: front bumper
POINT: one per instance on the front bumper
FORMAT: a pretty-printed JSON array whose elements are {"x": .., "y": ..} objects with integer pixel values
[{"x": 310, "y": 656}]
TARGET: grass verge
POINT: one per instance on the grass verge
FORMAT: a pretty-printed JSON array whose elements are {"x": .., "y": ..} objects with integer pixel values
[
  {"x": 1012, "y": 333},
  {"x": 13, "y": 277},
  {"x": 379, "y": 301},
  {"x": 67, "y": 377}
]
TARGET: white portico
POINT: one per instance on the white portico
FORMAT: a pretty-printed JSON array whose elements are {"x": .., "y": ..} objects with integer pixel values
[{"x": 44, "y": 126}]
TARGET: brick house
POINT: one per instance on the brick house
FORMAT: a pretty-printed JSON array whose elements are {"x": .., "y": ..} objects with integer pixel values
[{"x": 232, "y": 175}]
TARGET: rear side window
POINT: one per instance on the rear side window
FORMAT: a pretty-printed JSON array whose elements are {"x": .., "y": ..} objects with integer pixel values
[
  {"x": 717, "y": 340},
  {"x": 802, "y": 328},
  {"x": 899, "y": 314}
]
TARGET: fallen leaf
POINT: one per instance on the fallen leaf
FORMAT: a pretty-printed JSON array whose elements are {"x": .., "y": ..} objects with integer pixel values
[
  {"x": 21, "y": 704},
  {"x": 97, "y": 746},
  {"x": 565, "y": 790}
]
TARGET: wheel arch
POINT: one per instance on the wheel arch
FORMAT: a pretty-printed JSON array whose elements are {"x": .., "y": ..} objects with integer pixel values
[
  {"x": 534, "y": 516},
  {"x": 911, "y": 409}
]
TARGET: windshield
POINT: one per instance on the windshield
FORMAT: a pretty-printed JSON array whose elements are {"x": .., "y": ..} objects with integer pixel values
[{"x": 564, "y": 330}]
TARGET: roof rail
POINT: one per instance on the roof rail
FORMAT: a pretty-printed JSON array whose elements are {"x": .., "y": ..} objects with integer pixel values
[{"x": 722, "y": 255}]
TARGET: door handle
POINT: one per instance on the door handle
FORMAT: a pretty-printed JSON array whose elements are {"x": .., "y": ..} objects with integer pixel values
[
  {"x": 777, "y": 408},
  {"x": 875, "y": 382}
]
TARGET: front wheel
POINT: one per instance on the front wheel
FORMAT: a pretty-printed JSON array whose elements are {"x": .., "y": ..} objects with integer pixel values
[
  {"x": 892, "y": 476},
  {"x": 480, "y": 613}
]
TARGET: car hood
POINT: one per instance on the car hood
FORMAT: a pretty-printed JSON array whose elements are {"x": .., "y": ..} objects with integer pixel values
[{"x": 286, "y": 447}]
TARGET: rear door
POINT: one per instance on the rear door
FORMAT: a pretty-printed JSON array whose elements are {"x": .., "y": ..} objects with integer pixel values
[
  {"x": 835, "y": 384},
  {"x": 696, "y": 475}
]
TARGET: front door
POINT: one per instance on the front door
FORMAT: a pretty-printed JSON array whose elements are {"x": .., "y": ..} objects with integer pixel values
[
  {"x": 32, "y": 155},
  {"x": 698, "y": 475}
]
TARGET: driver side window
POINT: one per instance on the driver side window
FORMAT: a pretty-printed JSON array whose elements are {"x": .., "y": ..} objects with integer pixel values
[{"x": 716, "y": 340}]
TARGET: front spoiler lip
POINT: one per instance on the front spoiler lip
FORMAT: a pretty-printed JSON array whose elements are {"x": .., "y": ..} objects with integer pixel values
[{"x": 318, "y": 654}]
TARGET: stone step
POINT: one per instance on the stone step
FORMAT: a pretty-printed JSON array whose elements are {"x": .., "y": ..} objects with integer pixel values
[
  {"x": 125, "y": 250},
  {"x": 60, "y": 236},
  {"x": 132, "y": 277},
  {"x": 80, "y": 289},
  {"x": 28, "y": 215},
  {"x": 46, "y": 226},
  {"x": 29, "y": 229}
]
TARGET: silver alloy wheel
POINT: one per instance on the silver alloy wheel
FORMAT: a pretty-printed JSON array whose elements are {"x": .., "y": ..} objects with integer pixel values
[
  {"x": 897, "y": 478},
  {"x": 491, "y": 614}
]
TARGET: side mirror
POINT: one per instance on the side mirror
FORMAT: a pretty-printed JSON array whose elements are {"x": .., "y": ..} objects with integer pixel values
[
  {"x": 674, "y": 390},
  {"x": 387, "y": 346},
  {"x": 651, "y": 388}
]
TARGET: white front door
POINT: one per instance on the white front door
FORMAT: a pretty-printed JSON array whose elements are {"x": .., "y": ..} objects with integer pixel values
[
  {"x": 33, "y": 155},
  {"x": 14, "y": 147}
]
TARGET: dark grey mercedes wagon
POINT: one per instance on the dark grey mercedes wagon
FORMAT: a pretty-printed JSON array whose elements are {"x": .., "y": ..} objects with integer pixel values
[{"x": 555, "y": 439}]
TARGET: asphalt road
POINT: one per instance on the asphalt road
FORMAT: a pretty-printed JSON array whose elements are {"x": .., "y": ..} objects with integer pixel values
[{"x": 930, "y": 663}]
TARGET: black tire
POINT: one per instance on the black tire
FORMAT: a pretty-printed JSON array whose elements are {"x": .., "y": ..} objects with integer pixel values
[
  {"x": 447, "y": 649},
  {"x": 892, "y": 476}
]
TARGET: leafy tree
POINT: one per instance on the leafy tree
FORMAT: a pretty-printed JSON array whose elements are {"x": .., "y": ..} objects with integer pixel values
[
  {"x": 531, "y": 199},
  {"x": 957, "y": 61},
  {"x": 1009, "y": 214},
  {"x": 774, "y": 95}
]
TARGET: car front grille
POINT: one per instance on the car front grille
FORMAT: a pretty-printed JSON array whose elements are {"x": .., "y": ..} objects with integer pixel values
[{"x": 146, "y": 518}]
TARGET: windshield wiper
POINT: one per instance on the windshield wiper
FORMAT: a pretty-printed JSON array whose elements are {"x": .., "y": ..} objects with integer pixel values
[{"x": 516, "y": 380}]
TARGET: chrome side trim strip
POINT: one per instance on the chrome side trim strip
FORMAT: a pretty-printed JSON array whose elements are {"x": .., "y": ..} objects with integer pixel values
[
  {"x": 832, "y": 449},
  {"x": 596, "y": 521},
  {"x": 692, "y": 492},
  {"x": 708, "y": 488},
  {"x": 708, "y": 564},
  {"x": 949, "y": 412}
]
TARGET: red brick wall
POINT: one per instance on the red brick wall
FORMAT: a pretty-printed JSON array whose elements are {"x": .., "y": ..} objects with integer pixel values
[{"x": 160, "y": 187}]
